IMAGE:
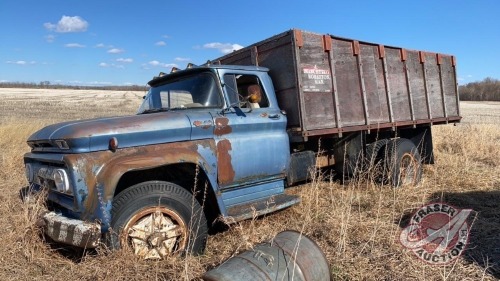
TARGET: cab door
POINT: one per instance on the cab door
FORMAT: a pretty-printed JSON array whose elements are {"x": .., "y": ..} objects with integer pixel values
[{"x": 252, "y": 143}]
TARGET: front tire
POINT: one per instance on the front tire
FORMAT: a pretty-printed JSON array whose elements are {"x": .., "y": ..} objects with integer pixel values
[{"x": 157, "y": 219}]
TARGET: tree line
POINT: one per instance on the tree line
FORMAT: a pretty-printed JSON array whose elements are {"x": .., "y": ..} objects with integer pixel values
[
  {"x": 486, "y": 90},
  {"x": 48, "y": 85}
]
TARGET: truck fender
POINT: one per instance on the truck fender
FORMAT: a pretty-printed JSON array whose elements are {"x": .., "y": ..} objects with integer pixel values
[{"x": 106, "y": 177}]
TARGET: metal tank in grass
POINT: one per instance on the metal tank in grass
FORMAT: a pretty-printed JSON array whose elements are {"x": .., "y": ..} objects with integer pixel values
[{"x": 290, "y": 255}]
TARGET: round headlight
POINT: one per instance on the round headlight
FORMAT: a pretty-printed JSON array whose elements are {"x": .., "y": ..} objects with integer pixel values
[
  {"x": 61, "y": 180},
  {"x": 28, "y": 170}
]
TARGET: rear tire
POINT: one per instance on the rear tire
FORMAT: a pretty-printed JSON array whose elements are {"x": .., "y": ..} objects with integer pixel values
[
  {"x": 374, "y": 160},
  {"x": 402, "y": 163},
  {"x": 157, "y": 219}
]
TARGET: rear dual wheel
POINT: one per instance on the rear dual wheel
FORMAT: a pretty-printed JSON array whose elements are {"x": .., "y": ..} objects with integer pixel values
[
  {"x": 403, "y": 165},
  {"x": 396, "y": 162},
  {"x": 156, "y": 219}
]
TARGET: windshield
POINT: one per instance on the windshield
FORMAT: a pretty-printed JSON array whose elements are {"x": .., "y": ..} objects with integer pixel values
[{"x": 196, "y": 91}]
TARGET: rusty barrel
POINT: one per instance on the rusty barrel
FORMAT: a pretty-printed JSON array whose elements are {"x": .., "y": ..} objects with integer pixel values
[{"x": 289, "y": 256}]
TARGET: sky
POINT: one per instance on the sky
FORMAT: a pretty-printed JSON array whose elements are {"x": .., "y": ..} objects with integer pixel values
[{"x": 110, "y": 42}]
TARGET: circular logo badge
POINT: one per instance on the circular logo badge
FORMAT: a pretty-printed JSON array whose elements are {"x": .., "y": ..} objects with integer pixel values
[{"x": 437, "y": 233}]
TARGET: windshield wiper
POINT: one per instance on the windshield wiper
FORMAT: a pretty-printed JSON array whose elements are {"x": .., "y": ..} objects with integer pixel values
[{"x": 153, "y": 110}]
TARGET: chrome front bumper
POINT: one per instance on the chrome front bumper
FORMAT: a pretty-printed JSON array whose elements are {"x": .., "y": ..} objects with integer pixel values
[{"x": 71, "y": 231}]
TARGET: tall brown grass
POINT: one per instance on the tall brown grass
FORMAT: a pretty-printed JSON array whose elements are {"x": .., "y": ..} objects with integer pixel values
[{"x": 357, "y": 224}]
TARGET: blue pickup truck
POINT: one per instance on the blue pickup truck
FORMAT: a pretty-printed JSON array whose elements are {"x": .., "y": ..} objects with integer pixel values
[{"x": 224, "y": 140}]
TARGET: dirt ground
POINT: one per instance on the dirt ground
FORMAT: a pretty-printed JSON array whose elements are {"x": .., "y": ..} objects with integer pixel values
[
  {"x": 474, "y": 112},
  {"x": 356, "y": 225}
]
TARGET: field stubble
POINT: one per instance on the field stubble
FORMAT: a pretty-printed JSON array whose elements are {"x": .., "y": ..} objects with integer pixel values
[{"x": 357, "y": 225}]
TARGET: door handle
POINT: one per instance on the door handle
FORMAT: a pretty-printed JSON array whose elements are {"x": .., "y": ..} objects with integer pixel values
[{"x": 274, "y": 116}]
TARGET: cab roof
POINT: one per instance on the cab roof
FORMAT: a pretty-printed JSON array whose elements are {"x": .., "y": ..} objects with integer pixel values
[{"x": 166, "y": 76}]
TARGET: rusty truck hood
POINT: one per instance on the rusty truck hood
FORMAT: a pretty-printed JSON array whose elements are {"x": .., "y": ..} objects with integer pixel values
[{"x": 95, "y": 134}]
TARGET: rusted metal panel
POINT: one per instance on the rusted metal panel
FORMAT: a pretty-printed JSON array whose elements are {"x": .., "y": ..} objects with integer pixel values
[
  {"x": 349, "y": 89},
  {"x": 399, "y": 97},
  {"x": 373, "y": 74},
  {"x": 369, "y": 84},
  {"x": 408, "y": 84},
  {"x": 298, "y": 38},
  {"x": 433, "y": 85},
  {"x": 449, "y": 86},
  {"x": 417, "y": 85},
  {"x": 225, "y": 170},
  {"x": 336, "y": 105},
  {"x": 388, "y": 93},
  {"x": 457, "y": 96},
  {"x": 355, "y": 47},
  {"x": 316, "y": 83},
  {"x": 95, "y": 175},
  {"x": 327, "y": 43},
  {"x": 254, "y": 56},
  {"x": 225, "y": 167},
  {"x": 362, "y": 83},
  {"x": 222, "y": 126}
]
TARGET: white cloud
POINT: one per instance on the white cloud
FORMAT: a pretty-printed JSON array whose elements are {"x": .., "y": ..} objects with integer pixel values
[
  {"x": 160, "y": 43},
  {"x": 156, "y": 63},
  {"x": 74, "y": 45},
  {"x": 21, "y": 62},
  {"x": 116, "y": 51},
  {"x": 182, "y": 59},
  {"x": 68, "y": 24},
  {"x": 4, "y": 81},
  {"x": 166, "y": 36},
  {"x": 224, "y": 48},
  {"x": 49, "y": 26},
  {"x": 102, "y": 45},
  {"x": 103, "y": 64},
  {"x": 50, "y": 38},
  {"x": 127, "y": 60}
]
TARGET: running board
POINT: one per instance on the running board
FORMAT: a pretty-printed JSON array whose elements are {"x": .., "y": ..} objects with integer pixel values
[{"x": 261, "y": 207}]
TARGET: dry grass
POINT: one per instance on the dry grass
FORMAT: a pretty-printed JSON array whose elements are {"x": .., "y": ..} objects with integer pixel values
[{"x": 357, "y": 225}]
